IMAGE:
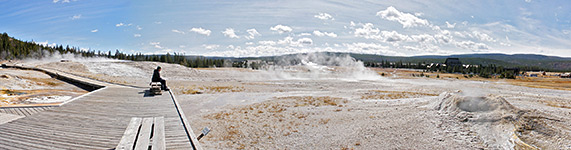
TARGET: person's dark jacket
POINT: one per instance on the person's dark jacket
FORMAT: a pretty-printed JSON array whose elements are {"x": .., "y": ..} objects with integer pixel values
[{"x": 156, "y": 76}]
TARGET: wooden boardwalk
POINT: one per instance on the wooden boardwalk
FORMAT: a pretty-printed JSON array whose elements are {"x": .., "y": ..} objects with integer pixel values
[
  {"x": 25, "y": 111},
  {"x": 95, "y": 121}
]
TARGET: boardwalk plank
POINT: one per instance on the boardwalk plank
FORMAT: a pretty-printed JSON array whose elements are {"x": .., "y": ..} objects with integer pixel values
[
  {"x": 159, "y": 134},
  {"x": 130, "y": 135},
  {"x": 144, "y": 134}
]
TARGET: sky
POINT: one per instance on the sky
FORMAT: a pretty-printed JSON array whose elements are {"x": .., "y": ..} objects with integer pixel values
[{"x": 276, "y": 27}]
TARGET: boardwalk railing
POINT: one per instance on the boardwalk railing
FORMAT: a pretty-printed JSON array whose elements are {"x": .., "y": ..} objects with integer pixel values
[
  {"x": 185, "y": 124},
  {"x": 81, "y": 84}
]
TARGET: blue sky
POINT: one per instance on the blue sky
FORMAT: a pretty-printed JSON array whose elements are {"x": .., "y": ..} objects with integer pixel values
[{"x": 277, "y": 27}]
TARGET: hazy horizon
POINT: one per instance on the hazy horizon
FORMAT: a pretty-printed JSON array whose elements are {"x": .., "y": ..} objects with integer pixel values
[{"x": 271, "y": 28}]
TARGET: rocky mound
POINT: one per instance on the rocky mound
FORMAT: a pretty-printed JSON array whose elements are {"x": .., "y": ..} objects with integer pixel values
[
  {"x": 501, "y": 125},
  {"x": 456, "y": 103}
]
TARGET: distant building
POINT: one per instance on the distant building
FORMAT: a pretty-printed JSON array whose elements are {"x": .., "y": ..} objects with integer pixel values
[
  {"x": 565, "y": 75},
  {"x": 453, "y": 62}
]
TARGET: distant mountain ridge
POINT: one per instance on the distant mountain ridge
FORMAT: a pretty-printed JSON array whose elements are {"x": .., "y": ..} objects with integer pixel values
[
  {"x": 541, "y": 62},
  {"x": 551, "y": 63}
]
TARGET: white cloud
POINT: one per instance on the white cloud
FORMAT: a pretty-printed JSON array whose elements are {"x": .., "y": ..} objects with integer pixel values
[
  {"x": 158, "y": 22},
  {"x": 443, "y": 39},
  {"x": 156, "y": 45},
  {"x": 367, "y": 31},
  {"x": 229, "y": 32},
  {"x": 210, "y": 47},
  {"x": 75, "y": 17},
  {"x": 63, "y": 1},
  {"x": 472, "y": 45},
  {"x": 528, "y": 1},
  {"x": 272, "y": 50},
  {"x": 393, "y": 36},
  {"x": 249, "y": 43},
  {"x": 306, "y": 41},
  {"x": 177, "y": 31},
  {"x": 366, "y": 46},
  {"x": 369, "y": 48},
  {"x": 450, "y": 25},
  {"x": 136, "y": 35},
  {"x": 281, "y": 28},
  {"x": 304, "y": 34},
  {"x": 120, "y": 24},
  {"x": 320, "y": 34},
  {"x": 425, "y": 48},
  {"x": 505, "y": 44},
  {"x": 267, "y": 43},
  {"x": 252, "y": 33},
  {"x": 407, "y": 20},
  {"x": 324, "y": 16},
  {"x": 95, "y": 30},
  {"x": 201, "y": 31},
  {"x": 261, "y": 50},
  {"x": 289, "y": 41},
  {"x": 139, "y": 28},
  {"x": 459, "y": 34},
  {"x": 482, "y": 36},
  {"x": 422, "y": 38}
]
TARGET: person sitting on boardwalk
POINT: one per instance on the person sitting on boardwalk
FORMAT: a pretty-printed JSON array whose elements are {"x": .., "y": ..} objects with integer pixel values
[{"x": 157, "y": 78}]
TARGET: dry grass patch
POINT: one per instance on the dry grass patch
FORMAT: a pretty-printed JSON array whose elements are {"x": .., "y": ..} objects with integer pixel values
[
  {"x": 314, "y": 101},
  {"x": 244, "y": 127},
  {"x": 223, "y": 89},
  {"x": 546, "y": 83},
  {"x": 556, "y": 104},
  {"x": 379, "y": 94},
  {"x": 210, "y": 89},
  {"x": 44, "y": 81}
]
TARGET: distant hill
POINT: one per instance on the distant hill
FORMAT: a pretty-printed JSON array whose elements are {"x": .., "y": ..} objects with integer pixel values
[
  {"x": 540, "y": 62},
  {"x": 551, "y": 63}
]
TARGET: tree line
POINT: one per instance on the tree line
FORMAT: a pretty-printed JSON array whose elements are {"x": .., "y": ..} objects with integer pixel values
[
  {"x": 12, "y": 48},
  {"x": 485, "y": 71},
  {"x": 175, "y": 58}
]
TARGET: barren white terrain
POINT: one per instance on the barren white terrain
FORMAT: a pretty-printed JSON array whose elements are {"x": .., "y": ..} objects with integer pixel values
[{"x": 336, "y": 103}]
